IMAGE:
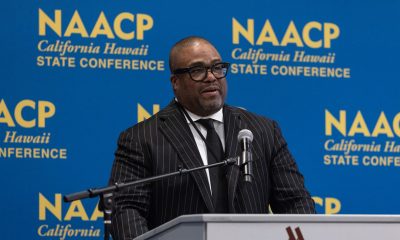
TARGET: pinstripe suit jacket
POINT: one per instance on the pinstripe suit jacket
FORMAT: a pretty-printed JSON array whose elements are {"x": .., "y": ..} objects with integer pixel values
[{"x": 164, "y": 142}]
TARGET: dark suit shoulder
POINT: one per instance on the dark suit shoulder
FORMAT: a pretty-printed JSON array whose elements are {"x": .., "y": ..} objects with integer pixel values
[
  {"x": 252, "y": 119},
  {"x": 267, "y": 133}
]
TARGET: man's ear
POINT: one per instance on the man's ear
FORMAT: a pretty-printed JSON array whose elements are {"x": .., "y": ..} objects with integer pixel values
[{"x": 174, "y": 81}]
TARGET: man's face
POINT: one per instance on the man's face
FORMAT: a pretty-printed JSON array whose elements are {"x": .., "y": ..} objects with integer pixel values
[{"x": 205, "y": 97}]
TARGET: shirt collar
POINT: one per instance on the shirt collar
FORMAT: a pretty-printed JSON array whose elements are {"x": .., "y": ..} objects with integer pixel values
[{"x": 218, "y": 116}]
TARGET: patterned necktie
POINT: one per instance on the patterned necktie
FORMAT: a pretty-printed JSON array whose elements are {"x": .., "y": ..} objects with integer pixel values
[{"x": 215, "y": 154}]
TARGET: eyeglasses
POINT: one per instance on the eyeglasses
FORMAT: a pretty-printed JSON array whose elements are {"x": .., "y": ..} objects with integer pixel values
[{"x": 199, "y": 73}]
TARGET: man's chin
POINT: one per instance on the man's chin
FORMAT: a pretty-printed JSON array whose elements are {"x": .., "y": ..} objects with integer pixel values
[{"x": 211, "y": 107}]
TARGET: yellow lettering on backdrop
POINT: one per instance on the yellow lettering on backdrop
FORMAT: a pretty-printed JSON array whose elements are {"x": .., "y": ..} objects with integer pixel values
[
  {"x": 143, "y": 114},
  {"x": 340, "y": 124},
  {"x": 76, "y": 210},
  {"x": 292, "y": 36},
  {"x": 117, "y": 26},
  {"x": 5, "y": 116},
  {"x": 18, "y": 113},
  {"x": 332, "y": 205},
  {"x": 248, "y": 33},
  {"x": 46, "y": 20},
  {"x": 76, "y": 26},
  {"x": 102, "y": 27},
  {"x": 306, "y": 34},
  {"x": 144, "y": 23},
  {"x": 46, "y": 110},
  {"x": 396, "y": 124},
  {"x": 267, "y": 35},
  {"x": 45, "y": 204},
  {"x": 96, "y": 214},
  {"x": 382, "y": 127},
  {"x": 331, "y": 31},
  {"x": 359, "y": 126}
]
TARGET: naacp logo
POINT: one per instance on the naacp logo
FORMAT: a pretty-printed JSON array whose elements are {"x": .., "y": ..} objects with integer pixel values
[{"x": 299, "y": 235}]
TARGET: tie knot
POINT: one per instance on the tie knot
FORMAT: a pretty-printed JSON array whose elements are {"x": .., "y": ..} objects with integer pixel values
[{"x": 207, "y": 123}]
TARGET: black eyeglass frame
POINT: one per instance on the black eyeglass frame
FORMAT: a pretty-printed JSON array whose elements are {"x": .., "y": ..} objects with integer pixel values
[{"x": 188, "y": 70}]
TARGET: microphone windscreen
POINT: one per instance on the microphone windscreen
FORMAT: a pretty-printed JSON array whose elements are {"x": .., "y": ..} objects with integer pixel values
[{"x": 245, "y": 133}]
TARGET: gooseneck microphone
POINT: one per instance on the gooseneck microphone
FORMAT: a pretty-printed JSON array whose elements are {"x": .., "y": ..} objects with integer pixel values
[{"x": 245, "y": 138}]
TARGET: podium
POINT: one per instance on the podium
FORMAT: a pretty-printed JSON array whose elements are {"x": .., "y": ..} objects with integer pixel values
[{"x": 277, "y": 227}]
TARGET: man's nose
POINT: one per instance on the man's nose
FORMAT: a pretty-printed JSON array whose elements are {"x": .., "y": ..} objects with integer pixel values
[{"x": 210, "y": 75}]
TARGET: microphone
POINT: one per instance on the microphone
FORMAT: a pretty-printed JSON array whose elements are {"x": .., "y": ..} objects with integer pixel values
[{"x": 245, "y": 138}]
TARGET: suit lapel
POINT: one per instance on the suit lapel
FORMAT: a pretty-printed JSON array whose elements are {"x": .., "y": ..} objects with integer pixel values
[
  {"x": 233, "y": 125},
  {"x": 234, "y": 122},
  {"x": 176, "y": 130}
]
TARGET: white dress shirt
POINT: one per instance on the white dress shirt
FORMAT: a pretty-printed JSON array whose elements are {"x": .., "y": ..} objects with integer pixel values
[{"x": 201, "y": 145}]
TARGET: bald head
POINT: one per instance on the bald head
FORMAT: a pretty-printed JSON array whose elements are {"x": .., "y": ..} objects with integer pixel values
[
  {"x": 186, "y": 42},
  {"x": 203, "y": 97}
]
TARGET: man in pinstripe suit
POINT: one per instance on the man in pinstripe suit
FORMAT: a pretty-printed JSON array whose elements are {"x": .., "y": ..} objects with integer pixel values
[{"x": 169, "y": 139}]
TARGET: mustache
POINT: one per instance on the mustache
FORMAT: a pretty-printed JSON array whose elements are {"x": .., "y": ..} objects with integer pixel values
[{"x": 211, "y": 88}]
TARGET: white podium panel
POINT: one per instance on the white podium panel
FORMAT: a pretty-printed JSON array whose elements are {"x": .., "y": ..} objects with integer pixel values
[{"x": 278, "y": 227}]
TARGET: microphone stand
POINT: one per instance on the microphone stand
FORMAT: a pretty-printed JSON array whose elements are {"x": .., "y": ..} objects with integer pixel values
[{"x": 105, "y": 193}]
